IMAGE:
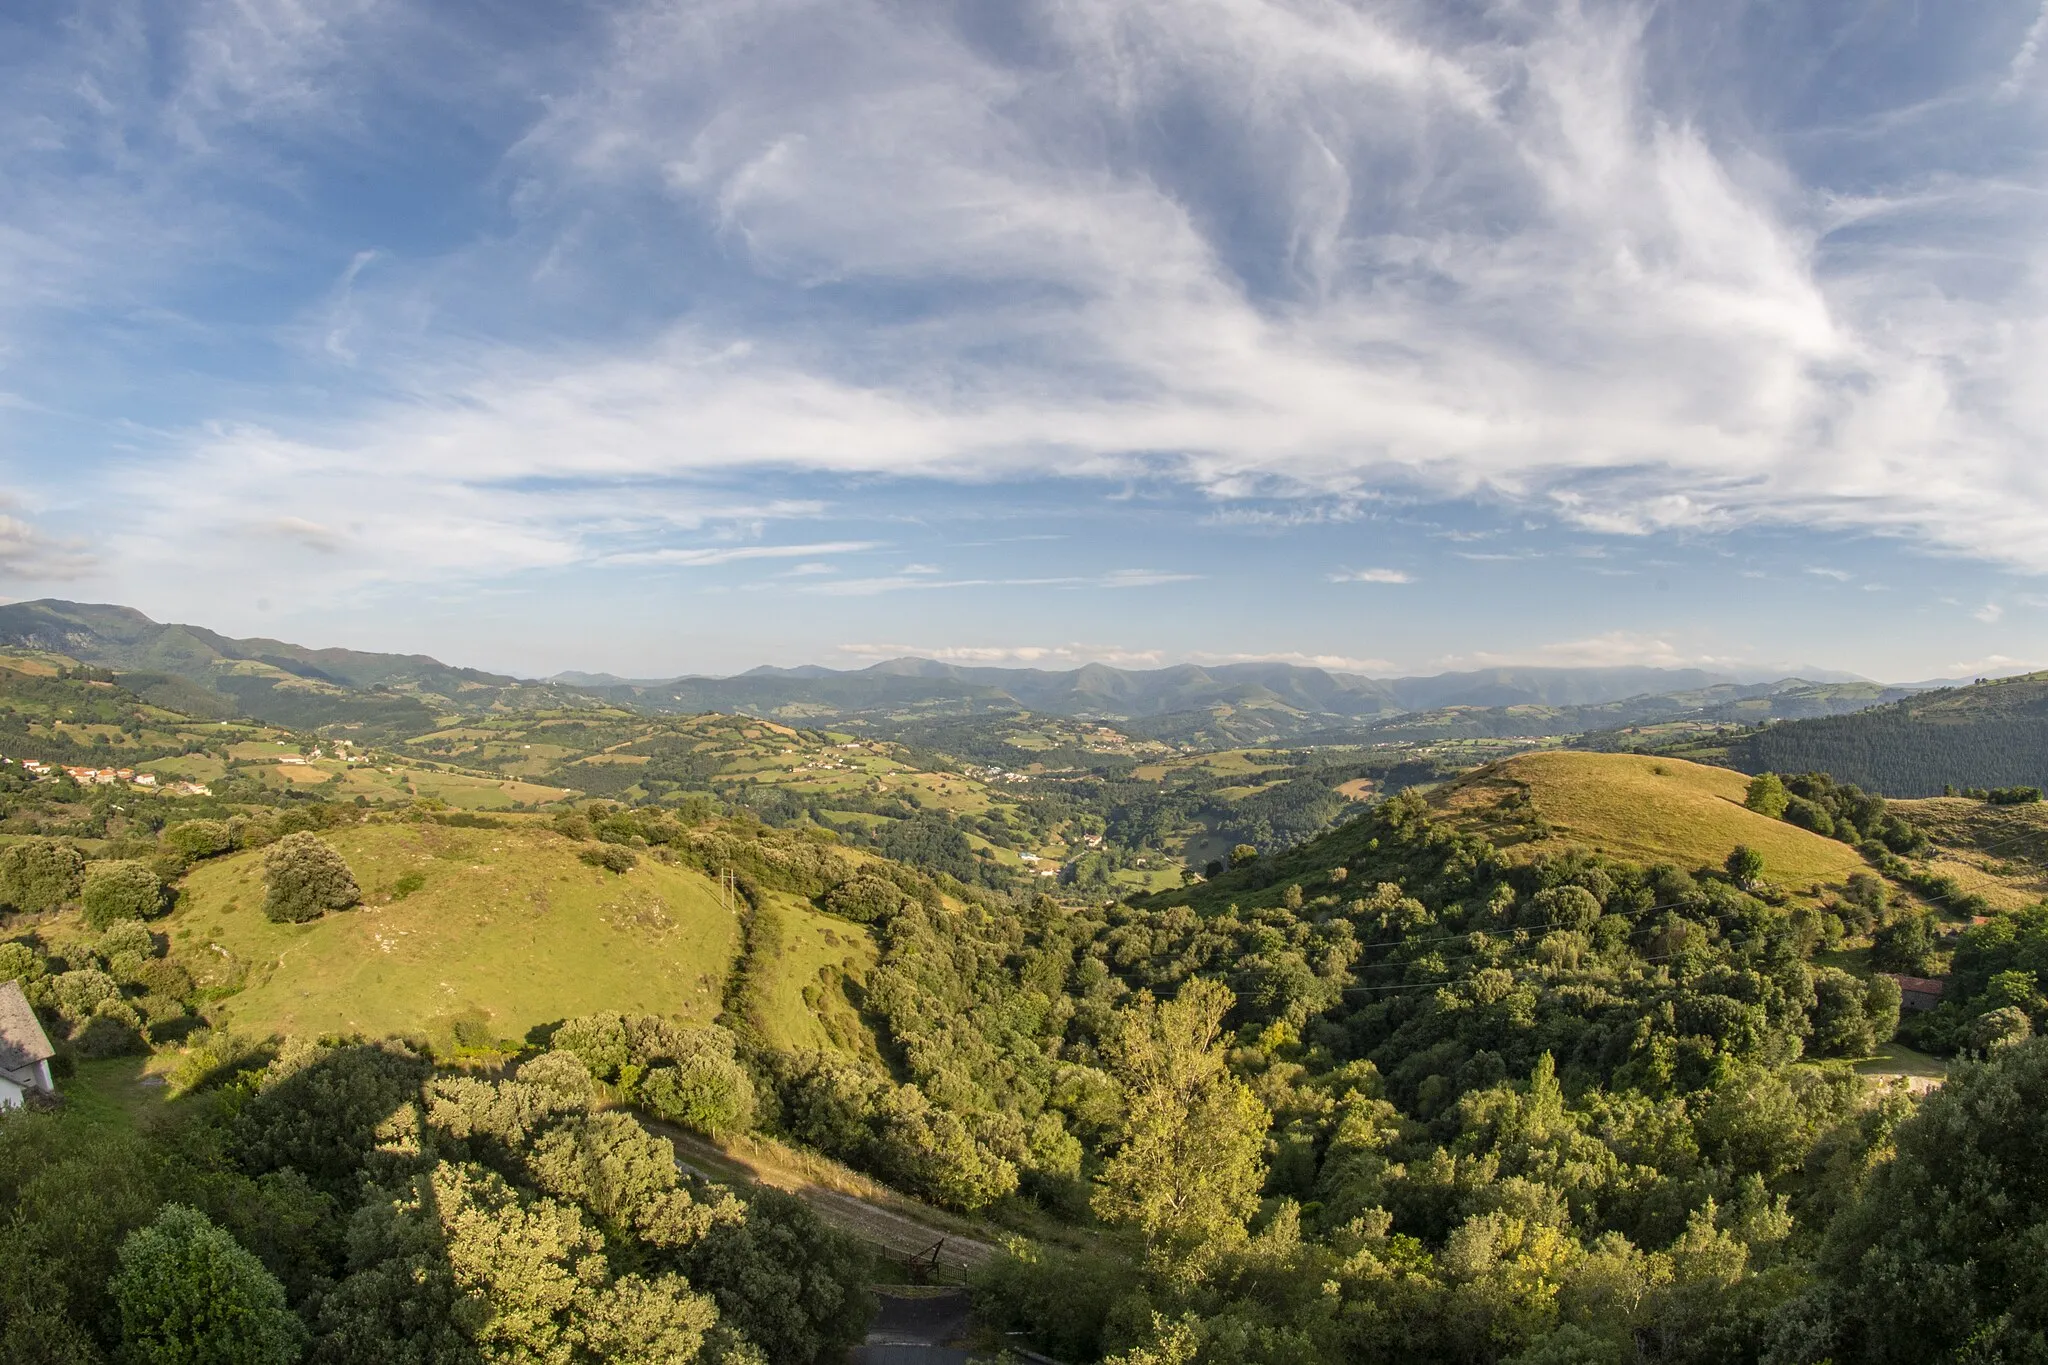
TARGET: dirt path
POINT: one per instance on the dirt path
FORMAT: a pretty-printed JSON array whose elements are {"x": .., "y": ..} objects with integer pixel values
[{"x": 896, "y": 1226}]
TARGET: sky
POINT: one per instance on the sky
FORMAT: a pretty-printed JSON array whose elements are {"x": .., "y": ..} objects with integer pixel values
[{"x": 691, "y": 336}]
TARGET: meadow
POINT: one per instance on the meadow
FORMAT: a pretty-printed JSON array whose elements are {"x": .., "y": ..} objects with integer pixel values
[{"x": 492, "y": 930}]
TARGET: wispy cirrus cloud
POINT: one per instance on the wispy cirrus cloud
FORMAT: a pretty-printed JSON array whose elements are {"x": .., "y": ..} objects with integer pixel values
[
  {"x": 1624, "y": 267},
  {"x": 1585, "y": 294},
  {"x": 1372, "y": 576}
]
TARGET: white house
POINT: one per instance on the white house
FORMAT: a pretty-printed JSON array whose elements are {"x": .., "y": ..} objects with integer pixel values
[{"x": 25, "y": 1049}]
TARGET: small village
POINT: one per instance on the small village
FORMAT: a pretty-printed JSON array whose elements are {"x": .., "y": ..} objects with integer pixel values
[{"x": 40, "y": 771}]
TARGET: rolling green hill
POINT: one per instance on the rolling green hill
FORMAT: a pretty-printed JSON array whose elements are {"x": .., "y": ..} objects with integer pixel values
[
  {"x": 502, "y": 927},
  {"x": 1638, "y": 808}
]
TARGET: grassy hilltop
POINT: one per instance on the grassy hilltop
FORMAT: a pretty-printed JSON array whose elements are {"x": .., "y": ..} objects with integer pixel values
[
  {"x": 500, "y": 929},
  {"x": 1639, "y": 808}
]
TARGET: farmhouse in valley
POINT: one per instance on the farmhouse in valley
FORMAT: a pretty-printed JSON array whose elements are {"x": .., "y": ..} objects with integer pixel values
[{"x": 25, "y": 1049}]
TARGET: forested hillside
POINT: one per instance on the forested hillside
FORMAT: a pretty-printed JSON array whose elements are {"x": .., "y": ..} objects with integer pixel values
[
  {"x": 1561, "y": 1060},
  {"x": 1424, "y": 1087},
  {"x": 1990, "y": 734}
]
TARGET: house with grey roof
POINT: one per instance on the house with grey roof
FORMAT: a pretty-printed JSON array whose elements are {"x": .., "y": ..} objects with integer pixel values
[{"x": 25, "y": 1049}]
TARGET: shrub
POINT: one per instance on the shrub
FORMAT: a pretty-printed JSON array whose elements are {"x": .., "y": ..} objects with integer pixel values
[
  {"x": 1841, "y": 1018},
  {"x": 306, "y": 878},
  {"x": 120, "y": 890},
  {"x": 19, "y": 962},
  {"x": 1744, "y": 865},
  {"x": 2001, "y": 1027},
  {"x": 866, "y": 899},
  {"x": 560, "y": 1073},
  {"x": 40, "y": 874},
  {"x": 597, "y": 1040},
  {"x": 1562, "y": 907},
  {"x": 610, "y": 857},
  {"x": 187, "y": 1292},
  {"x": 124, "y": 947},
  {"x": 1241, "y": 854},
  {"x": 708, "y": 1094},
  {"x": 1809, "y": 815},
  {"x": 196, "y": 839},
  {"x": 77, "y": 994}
]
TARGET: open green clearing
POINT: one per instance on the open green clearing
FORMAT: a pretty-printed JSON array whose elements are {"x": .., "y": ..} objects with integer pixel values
[{"x": 506, "y": 927}]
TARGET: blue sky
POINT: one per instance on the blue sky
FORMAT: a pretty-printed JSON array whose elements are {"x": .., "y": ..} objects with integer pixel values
[{"x": 1399, "y": 337}]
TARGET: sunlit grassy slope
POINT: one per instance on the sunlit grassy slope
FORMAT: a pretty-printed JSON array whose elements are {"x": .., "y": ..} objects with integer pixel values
[
  {"x": 811, "y": 967},
  {"x": 1640, "y": 808},
  {"x": 505, "y": 925},
  {"x": 1999, "y": 852}
]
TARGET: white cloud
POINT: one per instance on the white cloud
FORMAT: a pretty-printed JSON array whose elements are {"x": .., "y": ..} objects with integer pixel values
[
  {"x": 1837, "y": 575},
  {"x": 1143, "y": 578},
  {"x": 729, "y": 554},
  {"x": 28, "y": 554},
  {"x": 1989, "y": 613},
  {"x": 1374, "y": 575},
  {"x": 1453, "y": 257},
  {"x": 1073, "y": 655},
  {"x": 2024, "y": 58},
  {"x": 1612, "y": 649},
  {"x": 1336, "y": 663},
  {"x": 921, "y": 577},
  {"x": 309, "y": 534},
  {"x": 1026, "y": 656},
  {"x": 1990, "y": 666}
]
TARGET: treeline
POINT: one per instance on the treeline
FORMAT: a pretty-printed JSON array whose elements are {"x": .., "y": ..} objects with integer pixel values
[
  {"x": 1903, "y": 751},
  {"x": 1836, "y": 810}
]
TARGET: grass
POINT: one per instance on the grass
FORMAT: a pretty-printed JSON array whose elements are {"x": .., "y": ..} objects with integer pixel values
[
  {"x": 804, "y": 1000},
  {"x": 111, "y": 1093},
  {"x": 1643, "y": 809},
  {"x": 1896, "y": 1059},
  {"x": 506, "y": 927},
  {"x": 478, "y": 793},
  {"x": 2000, "y": 852}
]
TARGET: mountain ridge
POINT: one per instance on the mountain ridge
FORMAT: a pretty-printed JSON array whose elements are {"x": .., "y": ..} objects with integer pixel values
[{"x": 1243, "y": 702}]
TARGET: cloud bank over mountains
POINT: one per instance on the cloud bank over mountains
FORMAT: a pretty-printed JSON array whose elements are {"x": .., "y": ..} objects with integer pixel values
[{"x": 407, "y": 298}]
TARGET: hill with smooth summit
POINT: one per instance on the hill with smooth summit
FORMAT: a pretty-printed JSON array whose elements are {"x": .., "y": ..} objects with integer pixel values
[
  {"x": 1630, "y": 807},
  {"x": 1639, "y": 808}
]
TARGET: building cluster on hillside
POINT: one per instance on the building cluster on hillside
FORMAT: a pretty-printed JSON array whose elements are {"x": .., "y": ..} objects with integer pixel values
[
  {"x": 107, "y": 777},
  {"x": 995, "y": 775}
]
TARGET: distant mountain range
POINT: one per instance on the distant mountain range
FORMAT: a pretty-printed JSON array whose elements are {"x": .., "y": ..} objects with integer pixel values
[{"x": 203, "y": 672}]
